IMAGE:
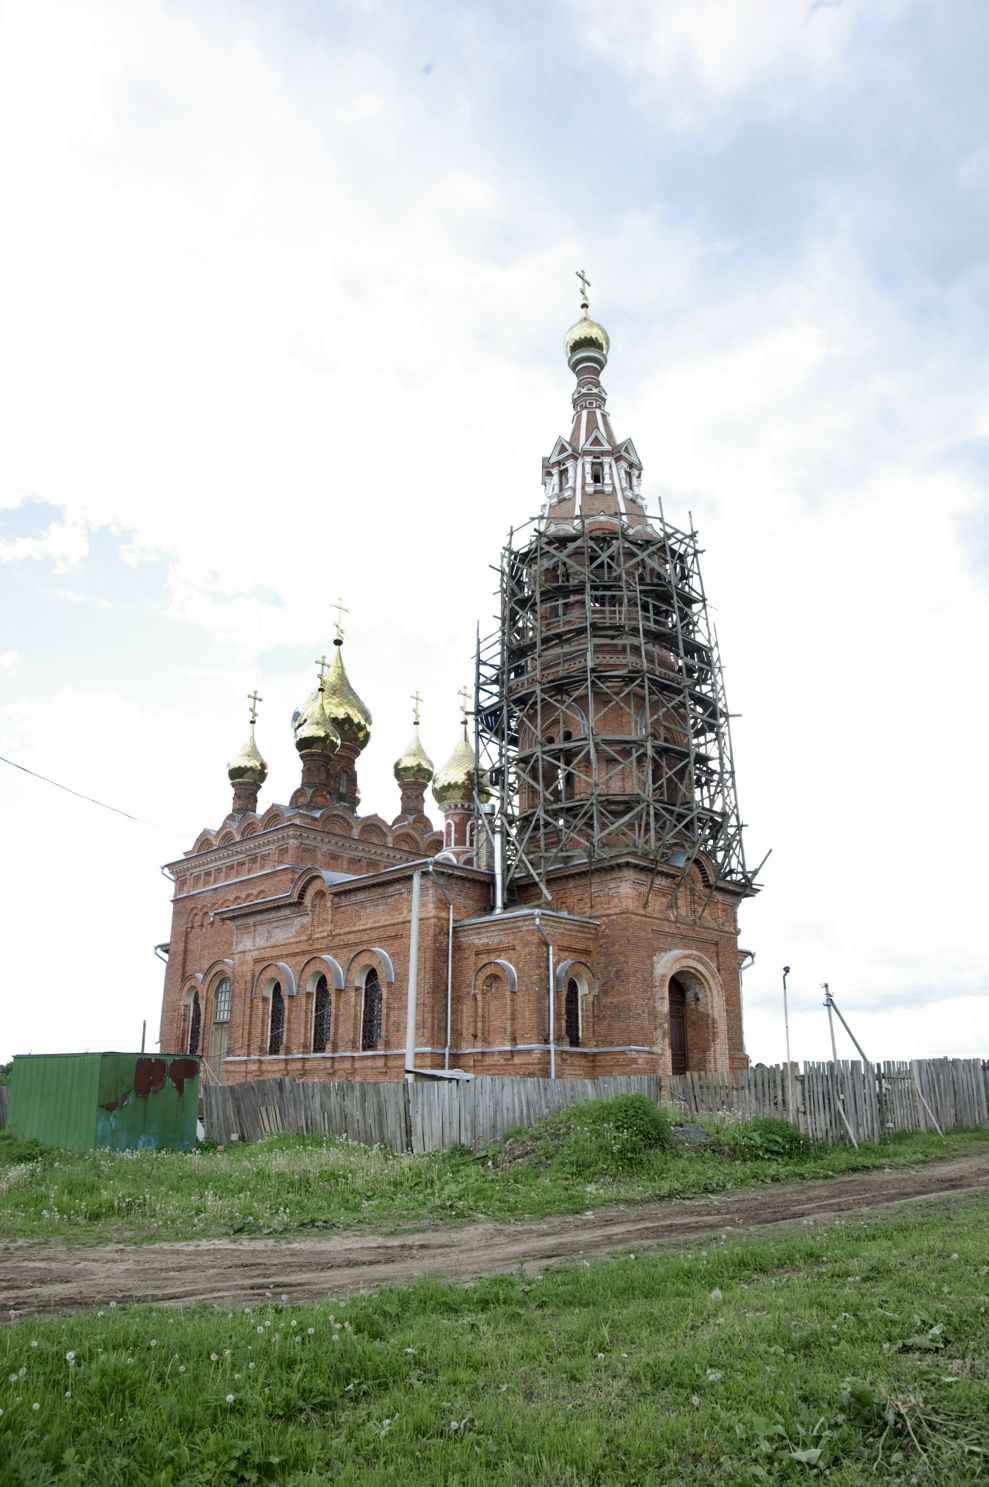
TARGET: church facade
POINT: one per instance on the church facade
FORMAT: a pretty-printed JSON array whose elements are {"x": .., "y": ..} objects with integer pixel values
[{"x": 577, "y": 912}]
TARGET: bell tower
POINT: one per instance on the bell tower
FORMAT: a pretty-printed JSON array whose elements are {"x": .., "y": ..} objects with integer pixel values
[{"x": 600, "y": 706}]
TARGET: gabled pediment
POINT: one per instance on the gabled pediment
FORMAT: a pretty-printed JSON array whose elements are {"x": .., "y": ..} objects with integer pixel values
[
  {"x": 627, "y": 450},
  {"x": 595, "y": 443},
  {"x": 561, "y": 449}
]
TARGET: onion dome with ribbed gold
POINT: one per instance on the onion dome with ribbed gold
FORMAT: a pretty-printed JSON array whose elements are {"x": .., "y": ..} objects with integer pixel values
[
  {"x": 415, "y": 766},
  {"x": 460, "y": 779},
  {"x": 315, "y": 731},
  {"x": 248, "y": 764},
  {"x": 587, "y": 335},
  {"x": 348, "y": 712}
]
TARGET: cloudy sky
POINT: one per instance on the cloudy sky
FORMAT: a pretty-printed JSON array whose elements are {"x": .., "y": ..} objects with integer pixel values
[{"x": 284, "y": 289}]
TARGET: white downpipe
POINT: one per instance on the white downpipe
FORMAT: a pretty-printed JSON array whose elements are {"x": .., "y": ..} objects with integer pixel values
[
  {"x": 410, "y": 1004},
  {"x": 552, "y": 1000},
  {"x": 449, "y": 967},
  {"x": 498, "y": 871}
]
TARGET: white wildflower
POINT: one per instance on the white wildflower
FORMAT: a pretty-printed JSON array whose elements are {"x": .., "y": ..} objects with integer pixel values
[{"x": 230, "y": 1399}]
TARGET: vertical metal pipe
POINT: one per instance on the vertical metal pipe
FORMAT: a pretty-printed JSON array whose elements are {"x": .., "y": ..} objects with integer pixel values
[
  {"x": 551, "y": 1022},
  {"x": 786, "y": 1029},
  {"x": 498, "y": 876},
  {"x": 834, "y": 1055},
  {"x": 410, "y": 1003},
  {"x": 144, "y": 1033}
]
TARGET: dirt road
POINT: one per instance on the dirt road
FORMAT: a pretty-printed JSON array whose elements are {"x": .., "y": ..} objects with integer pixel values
[{"x": 35, "y": 1281}]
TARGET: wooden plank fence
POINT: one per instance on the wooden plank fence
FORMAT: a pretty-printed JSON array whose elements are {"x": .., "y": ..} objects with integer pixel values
[{"x": 434, "y": 1115}]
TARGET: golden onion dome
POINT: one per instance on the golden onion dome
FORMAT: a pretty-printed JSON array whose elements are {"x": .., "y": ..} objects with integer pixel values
[
  {"x": 415, "y": 766},
  {"x": 248, "y": 764},
  {"x": 586, "y": 334},
  {"x": 352, "y": 719},
  {"x": 460, "y": 778},
  {"x": 315, "y": 731}
]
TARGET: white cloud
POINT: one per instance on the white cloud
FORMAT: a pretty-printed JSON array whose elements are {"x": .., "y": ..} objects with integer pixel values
[
  {"x": 8, "y": 661},
  {"x": 64, "y": 543},
  {"x": 703, "y": 52}
]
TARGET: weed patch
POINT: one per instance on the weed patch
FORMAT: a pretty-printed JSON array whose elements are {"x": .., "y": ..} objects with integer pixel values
[
  {"x": 780, "y": 1360},
  {"x": 602, "y": 1152}
]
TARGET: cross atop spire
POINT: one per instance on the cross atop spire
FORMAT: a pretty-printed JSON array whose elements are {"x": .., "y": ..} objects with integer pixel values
[
  {"x": 323, "y": 664},
  {"x": 464, "y": 696},
  {"x": 416, "y": 700},
  {"x": 254, "y": 699},
  {"x": 585, "y": 285},
  {"x": 341, "y": 610}
]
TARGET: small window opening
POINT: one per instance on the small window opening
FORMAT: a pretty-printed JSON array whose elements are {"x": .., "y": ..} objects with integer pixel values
[{"x": 597, "y": 473}]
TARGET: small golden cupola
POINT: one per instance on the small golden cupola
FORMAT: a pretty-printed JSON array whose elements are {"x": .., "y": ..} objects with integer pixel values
[
  {"x": 352, "y": 720},
  {"x": 247, "y": 770},
  {"x": 317, "y": 742},
  {"x": 413, "y": 771},
  {"x": 585, "y": 334},
  {"x": 455, "y": 787}
]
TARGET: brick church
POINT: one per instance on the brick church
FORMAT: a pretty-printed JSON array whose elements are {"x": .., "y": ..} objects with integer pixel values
[{"x": 575, "y": 912}]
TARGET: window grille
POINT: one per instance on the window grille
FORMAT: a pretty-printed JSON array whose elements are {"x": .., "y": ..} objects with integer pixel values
[
  {"x": 321, "y": 1017},
  {"x": 221, "y": 1009},
  {"x": 276, "y": 1024},
  {"x": 371, "y": 1022},
  {"x": 572, "y": 1014},
  {"x": 195, "y": 1024}
]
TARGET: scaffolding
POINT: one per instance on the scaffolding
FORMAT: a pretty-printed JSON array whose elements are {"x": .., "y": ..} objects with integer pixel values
[{"x": 600, "y": 711}]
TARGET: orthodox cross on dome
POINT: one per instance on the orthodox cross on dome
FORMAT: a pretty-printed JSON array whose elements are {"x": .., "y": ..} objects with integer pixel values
[
  {"x": 585, "y": 285},
  {"x": 323, "y": 664},
  {"x": 464, "y": 695},
  {"x": 416, "y": 700},
  {"x": 254, "y": 699},
  {"x": 341, "y": 610}
]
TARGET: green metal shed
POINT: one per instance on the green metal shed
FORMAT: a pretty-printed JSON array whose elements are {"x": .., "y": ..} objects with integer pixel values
[{"x": 118, "y": 1100}]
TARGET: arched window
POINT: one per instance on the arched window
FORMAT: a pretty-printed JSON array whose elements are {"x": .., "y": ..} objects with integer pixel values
[
  {"x": 195, "y": 1023},
  {"x": 276, "y": 1020},
  {"x": 572, "y": 1013},
  {"x": 221, "y": 1000},
  {"x": 371, "y": 1019},
  {"x": 321, "y": 1017},
  {"x": 343, "y": 784}
]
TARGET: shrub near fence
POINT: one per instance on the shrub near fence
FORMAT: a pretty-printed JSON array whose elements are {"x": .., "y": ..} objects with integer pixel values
[{"x": 434, "y": 1115}]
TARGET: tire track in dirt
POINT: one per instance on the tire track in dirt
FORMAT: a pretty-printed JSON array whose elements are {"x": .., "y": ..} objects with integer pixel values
[{"x": 41, "y": 1281}]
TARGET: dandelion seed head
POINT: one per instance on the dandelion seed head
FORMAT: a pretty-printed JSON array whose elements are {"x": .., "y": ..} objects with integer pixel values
[{"x": 230, "y": 1399}]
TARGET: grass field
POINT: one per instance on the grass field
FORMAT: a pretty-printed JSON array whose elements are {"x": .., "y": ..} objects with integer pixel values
[
  {"x": 856, "y": 1353},
  {"x": 581, "y": 1159}
]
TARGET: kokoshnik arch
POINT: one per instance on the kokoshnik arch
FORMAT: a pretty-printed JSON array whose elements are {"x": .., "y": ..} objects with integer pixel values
[{"x": 577, "y": 914}]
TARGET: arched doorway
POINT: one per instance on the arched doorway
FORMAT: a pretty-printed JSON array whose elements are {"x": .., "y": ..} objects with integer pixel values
[{"x": 678, "y": 1026}]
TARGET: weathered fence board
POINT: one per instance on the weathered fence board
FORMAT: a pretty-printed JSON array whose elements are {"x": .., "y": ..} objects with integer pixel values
[{"x": 436, "y": 1115}]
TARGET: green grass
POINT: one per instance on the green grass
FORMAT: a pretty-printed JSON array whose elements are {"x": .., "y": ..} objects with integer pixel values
[
  {"x": 592, "y": 1155},
  {"x": 856, "y": 1353}
]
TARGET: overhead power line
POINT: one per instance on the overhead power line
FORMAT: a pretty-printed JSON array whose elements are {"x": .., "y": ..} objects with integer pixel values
[{"x": 91, "y": 800}]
